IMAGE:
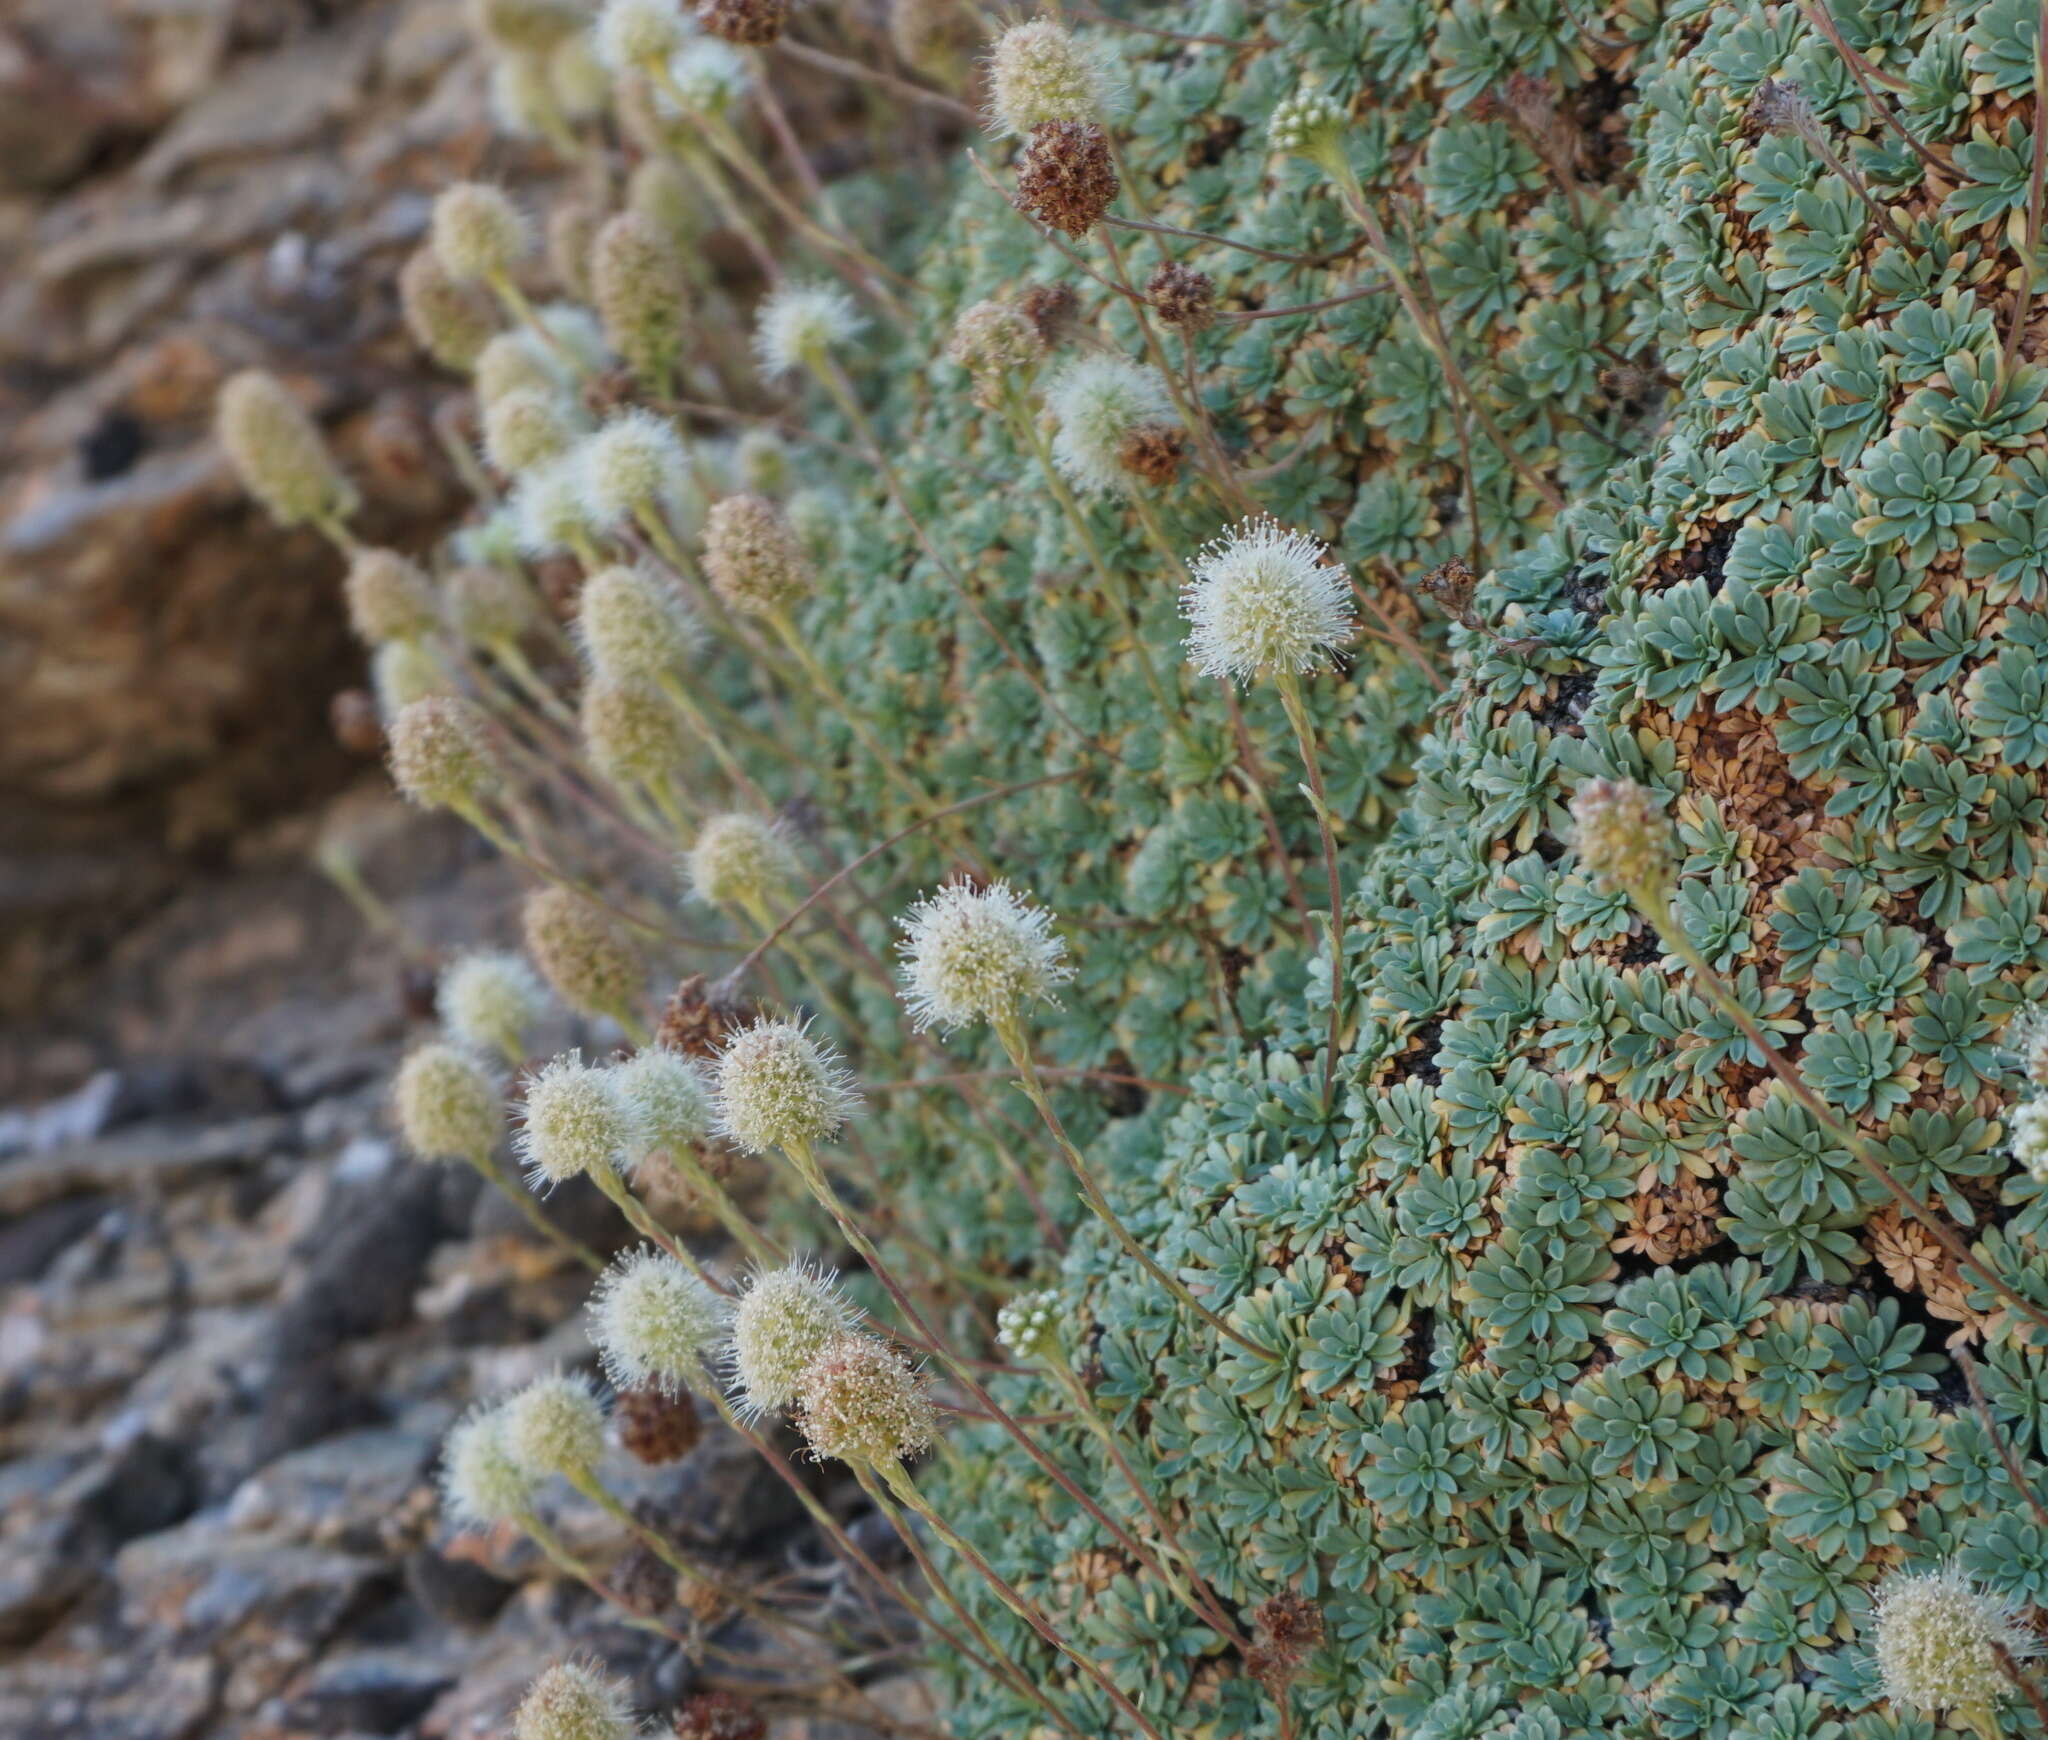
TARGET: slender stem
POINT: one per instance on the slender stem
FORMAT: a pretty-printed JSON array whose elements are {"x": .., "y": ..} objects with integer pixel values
[
  {"x": 1010, "y": 1032},
  {"x": 1020, "y": 1604},
  {"x": 853, "y": 69},
  {"x": 1158, "y": 229},
  {"x": 535, "y": 1215},
  {"x": 1865, "y": 76},
  {"x": 1358, "y": 295},
  {"x": 694, "y": 1173},
  {"x": 2000, "y": 1442},
  {"x": 2022, "y": 1682},
  {"x": 1296, "y": 705},
  {"x": 2023, "y": 297},
  {"x": 835, "y": 697}
]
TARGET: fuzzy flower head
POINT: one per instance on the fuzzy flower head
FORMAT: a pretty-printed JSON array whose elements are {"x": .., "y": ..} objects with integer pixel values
[
  {"x": 405, "y": 671},
  {"x": 450, "y": 321},
  {"x": 1308, "y": 124},
  {"x": 635, "y": 626},
  {"x": 1040, "y": 71},
  {"x": 2028, "y": 1137},
  {"x": 573, "y": 1701},
  {"x": 706, "y": 77},
  {"x": 1029, "y": 1326},
  {"x": 633, "y": 732},
  {"x": 580, "y": 336},
  {"x": 589, "y": 965},
  {"x": 447, "y": 1105},
  {"x": 490, "y": 999},
  {"x": 477, "y": 231},
  {"x": 577, "y": 1121},
  {"x": 278, "y": 451},
  {"x": 517, "y": 362},
  {"x": 800, "y": 326},
  {"x": 654, "y": 1323},
  {"x": 752, "y": 558},
  {"x": 1623, "y": 835},
  {"x": 640, "y": 290},
  {"x": 1935, "y": 1639},
  {"x": 488, "y": 606},
  {"x": 481, "y": 1484},
  {"x": 859, "y": 1401},
  {"x": 1097, "y": 403},
  {"x": 630, "y": 467},
  {"x": 2026, "y": 1042},
  {"x": 527, "y": 427},
  {"x": 779, "y": 1088},
  {"x": 993, "y": 342},
  {"x": 388, "y": 597},
  {"x": 670, "y": 1098},
  {"x": 555, "y": 1426},
  {"x": 441, "y": 758},
  {"x": 553, "y": 508},
  {"x": 1263, "y": 598},
  {"x": 580, "y": 83},
  {"x": 782, "y": 1322},
  {"x": 633, "y": 35},
  {"x": 978, "y": 954},
  {"x": 739, "y": 860}
]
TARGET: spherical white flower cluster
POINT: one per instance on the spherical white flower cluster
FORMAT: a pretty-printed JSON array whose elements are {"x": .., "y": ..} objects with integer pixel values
[
  {"x": 482, "y": 1485},
  {"x": 1263, "y": 598},
  {"x": 1040, "y": 71},
  {"x": 555, "y": 1426},
  {"x": 1097, "y": 403},
  {"x": 447, "y": 1105},
  {"x": 634, "y": 625},
  {"x": 740, "y": 860},
  {"x": 572, "y": 1701},
  {"x": 1936, "y": 1642},
  {"x": 441, "y": 755},
  {"x": 779, "y": 1088},
  {"x": 551, "y": 508},
  {"x": 1028, "y": 1327},
  {"x": 1307, "y": 124},
  {"x": 2028, "y": 1136},
  {"x": 860, "y": 1401},
  {"x": 978, "y": 954},
  {"x": 490, "y": 999},
  {"x": 669, "y": 1097},
  {"x": 654, "y": 1323},
  {"x": 783, "y": 1320},
  {"x": 577, "y": 1121},
  {"x": 709, "y": 77},
  {"x": 630, "y": 467},
  {"x": 801, "y": 325},
  {"x": 478, "y": 232}
]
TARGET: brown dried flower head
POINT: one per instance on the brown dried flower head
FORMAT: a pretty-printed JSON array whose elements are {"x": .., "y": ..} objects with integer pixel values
[
  {"x": 750, "y": 23},
  {"x": 719, "y": 1716},
  {"x": 698, "y": 1019},
  {"x": 1778, "y": 106},
  {"x": 1153, "y": 452},
  {"x": 1184, "y": 298},
  {"x": 655, "y": 1427},
  {"x": 1065, "y": 176},
  {"x": 1053, "y": 309}
]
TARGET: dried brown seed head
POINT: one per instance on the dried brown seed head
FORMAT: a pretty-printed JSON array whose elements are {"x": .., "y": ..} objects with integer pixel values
[
  {"x": 1053, "y": 309},
  {"x": 1185, "y": 299},
  {"x": 751, "y": 23},
  {"x": 1066, "y": 177},
  {"x": 655, "y": 1428},
  {"x": 1153, "y": 452}
]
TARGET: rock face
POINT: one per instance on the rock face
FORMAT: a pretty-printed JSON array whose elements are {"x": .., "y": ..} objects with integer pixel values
[{"x": 185, "y": 191}]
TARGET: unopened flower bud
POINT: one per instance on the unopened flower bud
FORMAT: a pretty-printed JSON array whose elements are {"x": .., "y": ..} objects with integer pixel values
[
  {"x": 860, "y": 1402},
  {"x": 978, "y": 954},
  {"x": 994, "y": 342},
  {"x": 478, "y": 232},
  {"x": 654, "y": 1323},
  {"x": 590, "y": 966},
  {"x": 388, "y": 597},
  {"x": 450, "y": 321},
  {"x": 1623, "y": 836},
  {"x": 490, "y": 999},
  {"x": 576, "y": 1122},
  {"x": 1066, "y": 177},
  {"x": 1097, "y": 403},
  {"x": 1937, "y": 1640},
  {"x": 752, "y": 558},
  {"x": 641, "y": 292},
  {"x": 1184, "y": 298},
  {"x": 779, "y": 1088},
  {"x": 1040, "y": 71},
  {"x": 488, "y": 606},
  {"x": 635, "y": 626},
  {"x": 1028, "y": 1327},
  {"x": 750, "y": 23},
  {"x": 447, "y": 1105},
  {"x": 573, "y": 1702},
  {"x": 633, "y": 732},
  {"x": 783, "y": 1320},
  {"x": 481, "y": 1485},
  {"x": 740, "y": 860},
  {"x": 1309, "y": 124},
  {"x": 1264, "y": 598},
  {"x": 279, "y": 453},
  {"x": 441, "y": 755},
  {"x": 799, "y": 327}
]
